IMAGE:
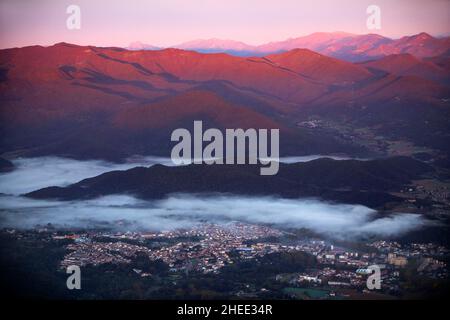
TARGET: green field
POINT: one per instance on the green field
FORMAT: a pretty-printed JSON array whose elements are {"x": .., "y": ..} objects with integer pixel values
[{"x": 306, "y": 293}]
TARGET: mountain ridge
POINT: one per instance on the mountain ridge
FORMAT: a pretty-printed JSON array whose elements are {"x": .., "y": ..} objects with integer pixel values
[
  {"x": 369, "y": 184},
  {"x": 54, "y": 99},
  {"x": 342, "y": 45}
]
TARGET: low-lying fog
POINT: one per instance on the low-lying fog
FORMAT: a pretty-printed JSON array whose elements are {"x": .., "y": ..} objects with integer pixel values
[
  {"x": 177, "y": 211},
  {"x": 182, "y": 211},
  {"x": 35, "y": 173}
]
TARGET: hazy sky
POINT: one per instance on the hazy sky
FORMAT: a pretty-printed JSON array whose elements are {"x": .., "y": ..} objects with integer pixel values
[{"x": 170, "y": 22}]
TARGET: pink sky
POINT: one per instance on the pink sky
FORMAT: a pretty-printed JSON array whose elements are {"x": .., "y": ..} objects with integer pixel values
[{"x": 170, "y": 22}]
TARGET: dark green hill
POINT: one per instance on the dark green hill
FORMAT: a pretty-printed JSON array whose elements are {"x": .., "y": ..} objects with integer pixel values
[
  {"x": 353, "y": 181},
  {"x": 6, "y": 165}
]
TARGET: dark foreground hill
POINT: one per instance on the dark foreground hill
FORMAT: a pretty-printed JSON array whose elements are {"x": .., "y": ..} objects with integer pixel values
[
  {"x": 6, "y": 165},
  {"x": 352, "y": 181}
]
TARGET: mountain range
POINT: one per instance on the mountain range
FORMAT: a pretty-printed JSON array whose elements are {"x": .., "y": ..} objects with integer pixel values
[
  {"x": 110, "y": 103},
  {"x": 342, "y": 45}
]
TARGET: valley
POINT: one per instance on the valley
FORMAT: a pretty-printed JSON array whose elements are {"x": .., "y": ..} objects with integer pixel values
[{"x": 87, "y": 177}]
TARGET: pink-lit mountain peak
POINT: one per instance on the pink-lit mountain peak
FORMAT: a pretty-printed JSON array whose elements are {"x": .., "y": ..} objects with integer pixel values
[
  {"x": 342, "y": 45},
  {"x": 214, "y": 43}
]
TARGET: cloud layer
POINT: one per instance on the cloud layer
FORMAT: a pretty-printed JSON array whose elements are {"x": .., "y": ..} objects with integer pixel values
[
  {"x": 35, "y": 173},
  {"x": 183, "y": 211},
  {"x": 176, "y": 211}
]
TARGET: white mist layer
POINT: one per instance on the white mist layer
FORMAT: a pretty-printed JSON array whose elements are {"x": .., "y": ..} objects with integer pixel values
[
  {"x": 35, "y": 173},
  {"x": 184, "y": 211}
]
